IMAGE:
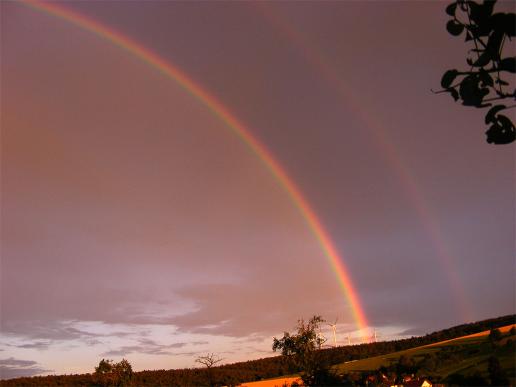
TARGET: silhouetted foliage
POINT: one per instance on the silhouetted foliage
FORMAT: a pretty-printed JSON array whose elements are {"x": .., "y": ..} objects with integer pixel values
[
  {"x": 110, "y": 374},
  {"x": 496, "y": 373},
  {"x": 467, "y": 380},
  {"x": 483, "y": 84},
  {"x": 104, "y": 366},
  {"x": 303, "y": 351},
  {"x": 495, "y": 335}
]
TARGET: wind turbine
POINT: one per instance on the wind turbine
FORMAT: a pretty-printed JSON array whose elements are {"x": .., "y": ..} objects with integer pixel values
[
  {"x": 320, "y": 338},
  {"x": 334, "y": 328},
  {"x": 376, "y": 335}
]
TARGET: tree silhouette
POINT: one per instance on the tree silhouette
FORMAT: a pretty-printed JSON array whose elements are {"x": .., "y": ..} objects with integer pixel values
[
  {"x": 303, "y": 350},
  {"x": 104, "y": 366},
  {"x": 482, "y": 85},
  {"x": 495, "y": 335},
  {"x": 209, "y": 360},
  {"x": 496, "y": 373},
  {"x": 108, "y": 373}
]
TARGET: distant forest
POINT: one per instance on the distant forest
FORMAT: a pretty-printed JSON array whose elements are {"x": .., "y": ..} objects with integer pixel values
[{"x": 234, "y": 374}]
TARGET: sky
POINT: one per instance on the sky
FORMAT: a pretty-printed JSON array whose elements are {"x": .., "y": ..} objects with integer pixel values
[{"x": 136, "y": 223}]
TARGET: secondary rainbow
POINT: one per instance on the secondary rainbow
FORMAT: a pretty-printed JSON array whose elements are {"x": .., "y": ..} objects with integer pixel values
[
  {"x": 319, "y": 60},
  {"x": 237, "y": 127}
]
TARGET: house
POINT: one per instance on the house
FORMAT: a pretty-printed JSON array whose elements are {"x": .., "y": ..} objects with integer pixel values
[{"x": 418, "y": 382}]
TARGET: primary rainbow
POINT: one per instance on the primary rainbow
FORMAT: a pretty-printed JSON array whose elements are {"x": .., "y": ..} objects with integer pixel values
[{"x": 237, "y": 127}]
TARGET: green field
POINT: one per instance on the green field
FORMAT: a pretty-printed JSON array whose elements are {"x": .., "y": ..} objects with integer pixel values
[{"x": 463, "y": 356}]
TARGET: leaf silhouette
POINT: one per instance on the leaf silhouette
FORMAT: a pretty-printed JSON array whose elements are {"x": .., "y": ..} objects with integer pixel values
[
  {"x": 508, "y": 64},
  {"x": 448, "y": 78},
  {"x": 508, "y": 24},
  {"x": 501, "y": 132},
  {"x": 470, "y": 91},
  {"x": 487, "y": 80},
  {"x": 490, "y": 116},
  {"x": 488, "y": 6},
  {"x": 483, "y": 59},
  {"x": 454, "y": 93},
  {"x": 494, "y": 43},
  {"x": 450, "y": 9},
  {"x": 454, "y": 28}
]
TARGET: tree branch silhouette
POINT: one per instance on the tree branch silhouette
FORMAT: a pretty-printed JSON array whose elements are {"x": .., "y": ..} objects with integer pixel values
[{"x": 483, "y": 83}]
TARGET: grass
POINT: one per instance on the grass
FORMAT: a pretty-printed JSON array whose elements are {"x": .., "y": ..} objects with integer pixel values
[{"x": 471, "y": 352}]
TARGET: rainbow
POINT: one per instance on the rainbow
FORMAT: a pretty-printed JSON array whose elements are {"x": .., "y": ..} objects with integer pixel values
[
  {"x": 317, "y": 59},
  {"x": 237, "y": 127}
]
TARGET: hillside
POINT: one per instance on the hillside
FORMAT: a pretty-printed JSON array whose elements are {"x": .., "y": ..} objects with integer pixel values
[
  {"x": 274, "y": 367},
  {"x": 463, "y": 360}
]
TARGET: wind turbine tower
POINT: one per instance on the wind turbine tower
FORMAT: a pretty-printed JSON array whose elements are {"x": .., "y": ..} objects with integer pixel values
[
  {"x": 320, "y": 338},
  {"x": 334, "y": 328},
  {"x": 374, "y": 338}
]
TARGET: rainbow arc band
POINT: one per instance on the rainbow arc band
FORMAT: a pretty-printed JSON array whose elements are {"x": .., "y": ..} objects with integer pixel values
[
  {"x": 335, "y": 79},
  {"x": 238, "y": 128}
]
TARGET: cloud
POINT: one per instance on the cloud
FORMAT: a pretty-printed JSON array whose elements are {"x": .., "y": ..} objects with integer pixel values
[
  {"x": 15, "y": 368},
  {"x": 146, "y": 346},
  {"x": 51, "y": 330},
  {"x": 35, "y": 345},
  {"x": 191, "y": 353},
  {"x": 254, "y": 310},
  {"x": 199, "y": 342},
  {"x": 413, "y": 332},
  {"x": 45, "y": 333},
  {"x": 17, "y": 363}
]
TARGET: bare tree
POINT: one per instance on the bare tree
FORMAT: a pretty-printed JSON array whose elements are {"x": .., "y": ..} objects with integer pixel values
[{"x": 209, "y": 360}]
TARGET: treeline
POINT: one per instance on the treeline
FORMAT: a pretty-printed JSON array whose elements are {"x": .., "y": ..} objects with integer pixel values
[
  {"x": 236, "y": 373},
  {"x": 228, "y": 375}
]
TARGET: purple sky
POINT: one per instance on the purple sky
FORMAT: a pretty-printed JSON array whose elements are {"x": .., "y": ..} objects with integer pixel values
[{"x": 136, "y": 225}]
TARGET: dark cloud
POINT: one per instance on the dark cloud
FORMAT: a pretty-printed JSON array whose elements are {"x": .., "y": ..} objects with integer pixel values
[
  {"x": 34, "y": 345},
  {"x": 47, "y": 332},
  {"x": 412, "y": 332},
  {"x": 191, "y": 353},
  {"x": 92, "y": 342},
  {"x": 44, "y": 329},
  {"x": 199, "y": 342},
  {"x": 51, "y": 330},
  {"x": 146, "y": 346},
  {"x": 123, "y": 351},
  {"x": 15, "y": 368},
  {"x": 17, "y": 362},
  {"x": 177, "y": 345}
]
